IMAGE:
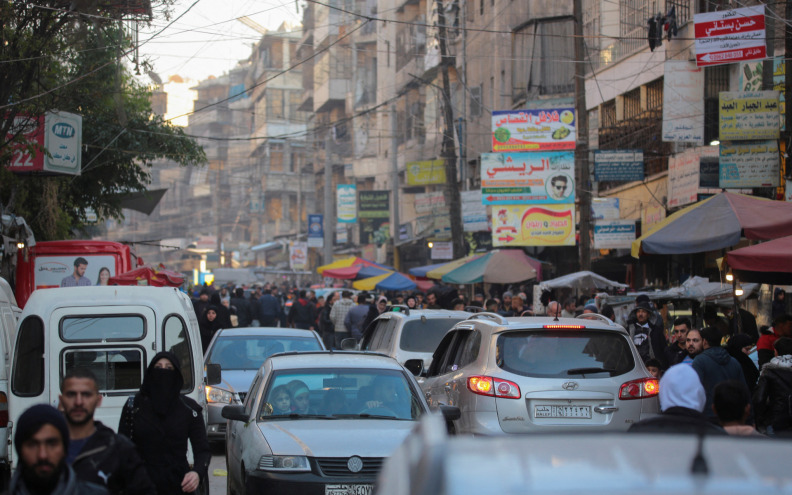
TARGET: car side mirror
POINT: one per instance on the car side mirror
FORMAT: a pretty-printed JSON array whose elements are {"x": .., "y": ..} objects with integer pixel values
[
  {"x": 414, "y": 366},
  {"x": 349, "y": 344},
  {"x": 450, "y": 413},
  {"x": 213, "y": 374},
  {"x": 235, "y": 412}
]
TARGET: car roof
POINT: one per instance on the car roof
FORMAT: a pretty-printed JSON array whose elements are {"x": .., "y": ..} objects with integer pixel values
[
  {"x": 430, "y": 313},
  {"x": 265, "y": 332},
  {"x": 43, "y": 301},
  {"x": 332, "y": 359},
  {"x": 500, "y": 323}
]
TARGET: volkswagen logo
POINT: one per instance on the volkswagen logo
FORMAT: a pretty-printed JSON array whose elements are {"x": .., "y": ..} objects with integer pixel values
[
  {"x": 355, "y": 464},
  {"x": 570, "y": 386}
]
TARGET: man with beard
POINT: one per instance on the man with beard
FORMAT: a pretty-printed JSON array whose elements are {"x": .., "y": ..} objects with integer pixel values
[
  {"x": 95, "y": 452},
  {"x": 647, "y": 334},
  {"x": 41, "y": 440},
  {"x": 677, "y": 347},
  {"x": 695, "y": 345}
]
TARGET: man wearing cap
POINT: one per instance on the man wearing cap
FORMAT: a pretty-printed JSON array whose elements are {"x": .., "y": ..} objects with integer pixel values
[
  {"x": 77, "y": 278},
  {"x": 95, "y": 452},
  {"x": 41, "y": 441},
  {"x": 647, "y": 334}
]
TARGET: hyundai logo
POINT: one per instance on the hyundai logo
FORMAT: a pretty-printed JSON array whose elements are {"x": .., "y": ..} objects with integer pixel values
[
  {"x": 570, "y": 386},
  {"x": 355, "y": 464}
]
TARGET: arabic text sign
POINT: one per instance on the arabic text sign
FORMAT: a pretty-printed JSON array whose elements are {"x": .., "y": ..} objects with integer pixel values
[
  {"x": 533, "y": 225},
  {"x": 426, "y": 172},
  {"x": 433, "y": 202},
  {"x": 683, "y": 175},
  {"x": 652, "y": 214},
  {"x": 60, "y": 133},
  {"x": 619, "y": 165},
  {"x": 749, "y": 164},
  {"x": 316, "y": 230},
  {"x": 605, "y": 209},
  {"x": 614, "y": 234},
  {"x": 748, "y": 115},
  {"x": 730, "y": 36},
  {"x": 533, "y": 130},
  {"x": 374, "y": 214},
  {"x": 474, "y": 213},
  {"x": 346, "y": 203},
  {"x": 683, "y": 102},
  {"x": 535, "y": 178}
]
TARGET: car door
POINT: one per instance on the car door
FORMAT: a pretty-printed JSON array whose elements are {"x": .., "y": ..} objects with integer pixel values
[
  {"x": 441, "y": 388},
  {"x": 234, "y": 441}
]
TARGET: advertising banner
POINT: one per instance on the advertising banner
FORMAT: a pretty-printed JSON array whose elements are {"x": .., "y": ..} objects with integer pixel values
[
  {"x": 474, "y": 213},
  {"x": 442, "y": 250},
  {"x": 60, "y": 133},
  {"x": 650, "y": 215},
  {"x": 728, "y": 36},
  {"x": 533, "y": 178},
  {"x": 374, "y": 214},
  {"x": 683, "y": 175},
  {"x": 342, "y": 233},
  {"x": 614, "y": 234},
  {"x": 346, "y": 203},
  {"x": 683, "y": 102},
  {"x": 529, "y": 225},
  {"x": 746, "y": 115},
  {"x": 51, "y": 270},
  {"x": 751, "y": 80},
  {"x": 749, "y": 164},
  {"x": 618, "y": 165},
  {"x": 605, "y": 209},
  {"x": 433, "y": 202},
  {"x": 426, "y": 172},
  {"x": 316, "y": 231},
  {"x": 533, "y": 130},
  {"x": 298, "y": 256}
]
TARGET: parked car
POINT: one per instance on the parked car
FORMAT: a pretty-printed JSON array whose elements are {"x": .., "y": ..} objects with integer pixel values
[
  {"x": 320, "y": 423},
  {"x": 240, "y": 353},
  {"x": 406, "y": 334},
  {"x": 520, "y": 375},
  {"x": 430, "y": 462}
]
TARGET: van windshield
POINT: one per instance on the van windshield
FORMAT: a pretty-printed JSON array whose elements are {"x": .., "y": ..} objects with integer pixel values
[{"x": 102, "y": 328}]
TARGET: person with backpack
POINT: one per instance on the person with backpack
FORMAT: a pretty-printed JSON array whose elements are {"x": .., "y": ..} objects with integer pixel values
[
  {"x": 647, "y": 334},
  {"x": 160, "y": 421}
]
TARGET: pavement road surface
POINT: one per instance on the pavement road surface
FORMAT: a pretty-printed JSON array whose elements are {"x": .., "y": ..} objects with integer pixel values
[{"x": 217, "y": 471}]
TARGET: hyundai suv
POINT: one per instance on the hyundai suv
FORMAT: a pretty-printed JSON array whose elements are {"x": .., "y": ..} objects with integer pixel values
[{"x": 532, "y": 374}]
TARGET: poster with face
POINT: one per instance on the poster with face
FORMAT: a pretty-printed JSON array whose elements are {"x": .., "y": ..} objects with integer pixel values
[{"x": 52, "y": 270}]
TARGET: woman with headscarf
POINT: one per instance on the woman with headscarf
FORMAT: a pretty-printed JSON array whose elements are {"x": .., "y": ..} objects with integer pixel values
[
  {"x": 209, "y": 324},
  {"x": 223, "y": 313},
  {"x": 735, "y": 348},
  {"x": 160, "y": 421}
]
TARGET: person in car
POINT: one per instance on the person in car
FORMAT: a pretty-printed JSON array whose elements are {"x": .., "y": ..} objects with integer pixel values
[
  {"x": 301, "y": 397},
  {"x": 682, "y": 400},
  {"x": 388, "y": 397},
  {"x": 281, "y": 401}
]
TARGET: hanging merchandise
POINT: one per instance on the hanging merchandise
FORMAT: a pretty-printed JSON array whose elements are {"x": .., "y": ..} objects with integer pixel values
[
  {"x": 652, "y": 33},
  {"x": 670, "y": 25}
]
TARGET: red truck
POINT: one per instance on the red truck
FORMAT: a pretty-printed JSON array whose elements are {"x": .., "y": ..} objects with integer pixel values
[{"x": 47, "y": 263}]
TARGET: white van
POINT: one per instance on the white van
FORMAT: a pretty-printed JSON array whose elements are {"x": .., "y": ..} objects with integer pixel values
[
  {"x": 114, "y": 331},
  {"x": 9, "y": 313}
]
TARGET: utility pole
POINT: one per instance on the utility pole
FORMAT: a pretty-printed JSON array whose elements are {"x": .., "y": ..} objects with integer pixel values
[
  {"x": 463, "y": 167},
  {"x": 581, "y": 147},
  {"x": 329, "y": 218},
  {"x": 448, "y": 152},
  {"x": 395, "y": 184}
]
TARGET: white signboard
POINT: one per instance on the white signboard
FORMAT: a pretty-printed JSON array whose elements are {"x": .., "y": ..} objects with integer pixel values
[
  {"x": 683, "y": 175},
  {"x": 346, "y": 197},
  {"x": 605, "y": 209},
  {"x": 528, "y": 178},
  {"x": 749, "y": 164},
  {"x": 614, "y": 234},
  {"x": 683, "y": 102},
  {"x": 728, "y": 36},
  {"x": 51, "y": 270},
  {"x": 474, "y": 214},
  {"x": 433, "y": 202},
  {"x": 298, "y": 256},
  {"x": 442, "y": 250}
]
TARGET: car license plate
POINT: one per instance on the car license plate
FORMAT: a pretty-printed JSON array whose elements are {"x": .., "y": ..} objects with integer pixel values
[
  {"x": 583, "y": 412},
  {"x": 349, "y": 489}
]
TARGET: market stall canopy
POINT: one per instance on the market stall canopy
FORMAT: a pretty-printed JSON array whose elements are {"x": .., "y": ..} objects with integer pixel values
[
  {"x": 502, "y": 266},
  {"x": 437, "y": 273},
  {"x": 421, "y": 271},
  {"x": 695, "y": 288},
  {"x": 769, "y": 262},
  {"x": 355, "y": 272},
  {"x": 146, "y": 275},
  {"x": 390, "y": 281},
  {"x": 716, "y": 223},
  {"x": 581, "y": 280},
  {"x": 346, "y": 263}
]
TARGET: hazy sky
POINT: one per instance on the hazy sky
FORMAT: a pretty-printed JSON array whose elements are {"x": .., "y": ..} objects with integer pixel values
[{"x": 208, "y": 40}]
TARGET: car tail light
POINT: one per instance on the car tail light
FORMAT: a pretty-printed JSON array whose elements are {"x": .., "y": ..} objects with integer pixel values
[
  {"x": 564, "y": 327},
  {"x": 493, "y": 387},
  {"x": 3, "y": 410},
  {"x": 639, "y": 389}
]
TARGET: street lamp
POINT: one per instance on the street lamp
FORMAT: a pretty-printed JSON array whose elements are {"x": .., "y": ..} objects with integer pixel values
[
  {"x": 729, "y": 276},
  {"x": 738, "y": 290}
]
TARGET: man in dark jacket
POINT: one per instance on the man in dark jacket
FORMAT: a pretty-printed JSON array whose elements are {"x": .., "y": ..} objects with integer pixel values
[
  {"x": 41, "y": 439},
  {"x": 714, "y": 365},
  {"x": 647, "y": 333},
  {"x": 302, "y": 313},
  {"x": 95, "y": 452},
  {"x": 682, "y": 401},
  {"x": 677, "y": 348},
  {"x": 747, "y": 322},
  {"x": 773, "y": 394},
  {"x": 242, "y": 305},
  {"x": 269, "y": 309}
]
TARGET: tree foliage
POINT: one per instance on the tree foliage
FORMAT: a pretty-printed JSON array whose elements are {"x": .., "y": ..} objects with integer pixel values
[{"x": 62, "y": 60}]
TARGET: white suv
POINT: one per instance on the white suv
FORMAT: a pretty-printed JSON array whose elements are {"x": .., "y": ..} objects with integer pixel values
[{"x": 530, "y": 374}]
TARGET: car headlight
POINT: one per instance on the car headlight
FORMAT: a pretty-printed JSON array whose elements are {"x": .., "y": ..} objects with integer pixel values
[
  {"x": 293, "y": 463},
  {"x": 218, "y": 395}
]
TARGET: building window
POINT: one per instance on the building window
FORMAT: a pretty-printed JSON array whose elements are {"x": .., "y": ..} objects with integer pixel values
[
  {"x": 716, "y": 79},
  {"x": 475, "y": 101},
  {"x": 654, "y": 94},
  {"x": 542, "y": 59},
  {"x": 632, "y": 103}
]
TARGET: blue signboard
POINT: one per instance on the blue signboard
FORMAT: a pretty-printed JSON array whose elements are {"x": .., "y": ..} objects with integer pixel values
[
  {"x": 618, "y": 165},
  {"x": 315, "y": 230}
]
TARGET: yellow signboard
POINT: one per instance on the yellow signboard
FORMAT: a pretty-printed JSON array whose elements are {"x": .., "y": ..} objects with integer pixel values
[
  {"x": 426, "y": 172},
  {"x": 533, "y": 225},
  {"x": 749, "y": 115}
]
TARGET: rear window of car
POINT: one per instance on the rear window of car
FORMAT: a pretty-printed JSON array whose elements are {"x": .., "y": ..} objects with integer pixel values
[
  {"x": 249, "y": 353},
  {"x": 564, "y": 354},
  {"x": 425, "y": 335}
]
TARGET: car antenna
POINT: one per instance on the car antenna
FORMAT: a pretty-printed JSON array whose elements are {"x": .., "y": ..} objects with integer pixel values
[{"x": 699, "y": 466}]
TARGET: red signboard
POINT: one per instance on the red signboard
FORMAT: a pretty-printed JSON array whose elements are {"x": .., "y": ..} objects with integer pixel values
[
  {"x": 23, "y": 160},
  {"x": 730, "y": 36}
]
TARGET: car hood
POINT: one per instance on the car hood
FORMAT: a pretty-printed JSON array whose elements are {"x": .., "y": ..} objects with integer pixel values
[
  {"x": 238, "y": 380},
  {"x": 335, "y": 437}
]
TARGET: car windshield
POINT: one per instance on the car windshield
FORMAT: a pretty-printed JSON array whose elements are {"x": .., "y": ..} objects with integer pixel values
[
  {"x": 561, "y": 354},
  {"x": 250, "y": 352},
  {"x": 340, "y": 393},
  {"x": 424, "y": 335}
]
